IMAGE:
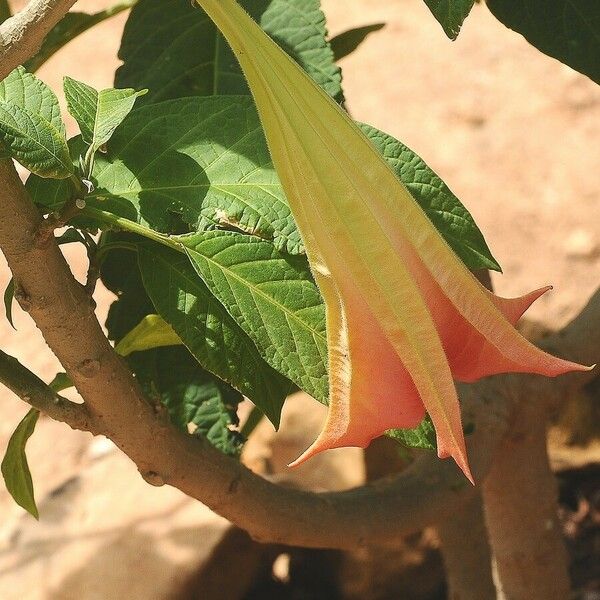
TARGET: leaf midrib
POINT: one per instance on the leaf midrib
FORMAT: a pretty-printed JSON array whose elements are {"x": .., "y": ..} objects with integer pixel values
[{"x": 254, "y": 289}]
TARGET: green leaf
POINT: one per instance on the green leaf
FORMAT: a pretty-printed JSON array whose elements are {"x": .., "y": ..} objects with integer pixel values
[
  {"x": 34, "y": 142},
  {"x": 5, "y": 12},
  {"x": 9, "y": 295},
  {"x": 274, "y": 299},
  {"x": 33, "y": 95},
  {"x": 31, "y": 127},
  {"x": 169, "y": 375},
  {"x": 422, "y": 436},
  {"x": 215, "y": 339},
  {"x": 450, "y": 14},
  {"x": 61, "y": 382},
  {"x": 209, "y": 166},
  {"x": 156, "y": 43},
  {"x": 98, "y": 114},
  {"x": 442, "y": 207},
  {"x": 215, "y": 171},
  {"x": 214, "y": 418},
  {"x": 197, "y": 401},
  {"x": 151, "y": 332},
  {"x": 568, "y": 30},
  {"x": 15, "y": 469},
  {"x": 69, "y": 27},
  {"x": 347, "y": 42}
]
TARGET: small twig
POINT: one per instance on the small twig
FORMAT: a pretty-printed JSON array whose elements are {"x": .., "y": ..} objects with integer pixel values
[{"x": 32, "y": 390}]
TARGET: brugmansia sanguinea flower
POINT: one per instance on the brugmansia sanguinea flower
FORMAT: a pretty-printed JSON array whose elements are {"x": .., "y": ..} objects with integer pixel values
[{"x": 404, "y": 315}]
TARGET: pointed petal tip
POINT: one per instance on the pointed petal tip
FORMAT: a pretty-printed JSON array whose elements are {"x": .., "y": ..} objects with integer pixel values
[
  {"x": 297, "y": 462},
  {"x": 461, "y": 461},
  {"x": 559, "y": 366},
  {"x": 321, "y": 444},
  {"x": 308, "y": 453},
  {"x": 458, "y": 453},
  {"x": 316, "y": 447},
  {"x": 466, "y": 471}
]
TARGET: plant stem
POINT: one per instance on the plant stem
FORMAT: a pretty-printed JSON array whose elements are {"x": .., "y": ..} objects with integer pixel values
[
  {"x": 32, "y": 390},
  {"x": 103, "y": 249},
  {"x": 133, "y": 227}
]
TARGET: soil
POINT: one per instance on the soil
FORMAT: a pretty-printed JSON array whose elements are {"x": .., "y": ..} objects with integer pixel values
[{"x": 512, "y": 132}]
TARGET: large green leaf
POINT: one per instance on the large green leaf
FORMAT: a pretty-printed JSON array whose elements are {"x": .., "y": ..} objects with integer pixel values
[
  {"x": 196, "y": 400},
  {"x": 69, "y": 27},
  {"x": 208, "y": 162},
  {"x": 214, "y": 338},
  {"x": 171, "y": 376},
  {"x": 274, "y": 299},
  {"x": 568, "y": 30},
  {"x": 15, "y": 469},
  {"x": 174, "y": 49},
  {"x": 211, "y": 165},
  {"x": 450, "y": 14},
  {"x": 98, "y": 113}
]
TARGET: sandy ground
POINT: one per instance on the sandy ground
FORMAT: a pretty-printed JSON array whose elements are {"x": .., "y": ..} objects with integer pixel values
[{"x": 511, "y": 131}]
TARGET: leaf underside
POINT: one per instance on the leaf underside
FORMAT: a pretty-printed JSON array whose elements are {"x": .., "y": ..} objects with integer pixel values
[
  {"x": 450, "y": 14},
  {"x": 568, "y": 30}
]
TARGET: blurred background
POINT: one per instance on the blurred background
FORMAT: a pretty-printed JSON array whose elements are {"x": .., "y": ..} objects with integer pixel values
[{"x": 515, "y": 135}]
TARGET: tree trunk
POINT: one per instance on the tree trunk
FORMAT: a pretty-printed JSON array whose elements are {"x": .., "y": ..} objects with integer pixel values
[
  {"x": 466, "y": 553},
  {"x": 520, "y": 497}
]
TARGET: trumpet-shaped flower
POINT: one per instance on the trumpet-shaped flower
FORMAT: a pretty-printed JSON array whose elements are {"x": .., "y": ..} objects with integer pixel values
[{"x": 404, "y": 315}]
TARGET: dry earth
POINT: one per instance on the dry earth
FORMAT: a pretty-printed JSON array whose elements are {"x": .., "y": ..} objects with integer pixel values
[{"x": 513, "y": 133}]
